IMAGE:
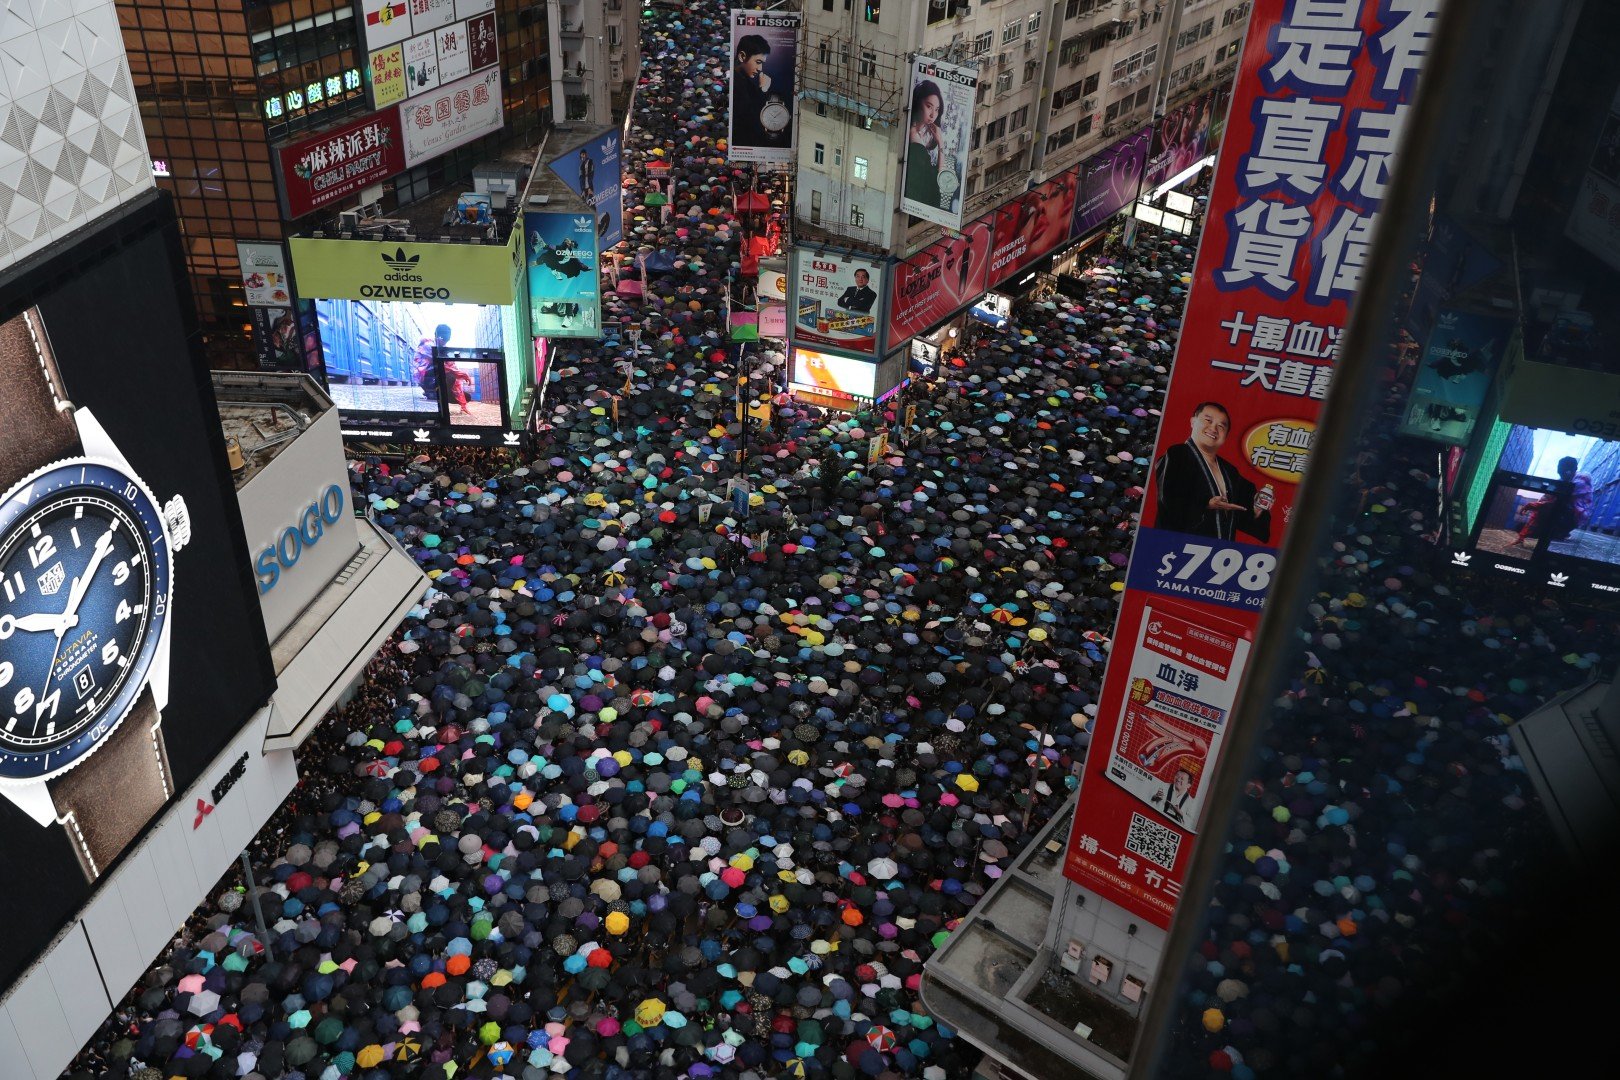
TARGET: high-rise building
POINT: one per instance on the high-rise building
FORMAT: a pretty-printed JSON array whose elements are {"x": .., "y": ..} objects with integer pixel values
[
  {"x": 1056, "y": 84},
  {"x": 596, "y": 43},
  {"x": 228, "y": 87}
]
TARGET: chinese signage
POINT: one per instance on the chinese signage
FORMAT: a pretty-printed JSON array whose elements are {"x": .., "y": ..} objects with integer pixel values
[
  {"x": 321, "y": 92},
  {"x": 264, "y": 274},
  {"x": 329, "y": 167},
  {"x": 764, "y": 53},
  {"x": 413, "y": 272},
  {"x": 1321, "y": 98},
  {"x": 836, "y": 301},
  {"x": 939, "y": 129},
  {"x": 451, "y": 116},
  {"x": 415, "y": 46}
]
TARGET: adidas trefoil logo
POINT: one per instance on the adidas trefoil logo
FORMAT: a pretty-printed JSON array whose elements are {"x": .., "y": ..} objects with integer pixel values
[
  {"x": 420, "y": 434},
  {"x": 1461, "y": 558},
  {"x": 1559, "y": 580},
  {"x": 401, "y": 266}
]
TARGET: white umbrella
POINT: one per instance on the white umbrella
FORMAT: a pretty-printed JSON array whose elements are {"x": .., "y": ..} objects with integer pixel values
[{"x": 882, "y": 869}]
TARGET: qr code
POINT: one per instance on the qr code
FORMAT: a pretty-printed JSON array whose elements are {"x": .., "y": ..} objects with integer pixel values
[{"x": 1154, "y": 842}]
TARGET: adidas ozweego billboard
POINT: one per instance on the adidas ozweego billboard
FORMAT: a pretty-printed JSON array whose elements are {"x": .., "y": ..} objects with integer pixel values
[{"x": 408, "y": 272}]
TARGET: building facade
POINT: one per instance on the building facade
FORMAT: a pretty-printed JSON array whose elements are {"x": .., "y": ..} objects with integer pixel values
[
  {"x": 1057, "y": 82},
  {"x": 224, "y": 85},
  {"x": 595, "y": 42}
]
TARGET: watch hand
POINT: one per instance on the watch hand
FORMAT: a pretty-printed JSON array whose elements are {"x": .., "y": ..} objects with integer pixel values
[
  {"x": 40, "y": 621},
  {"x": 81, "y": 585}
]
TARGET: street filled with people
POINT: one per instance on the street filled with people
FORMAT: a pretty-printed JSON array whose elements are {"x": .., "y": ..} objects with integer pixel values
[{"x": 706, "y": 735}]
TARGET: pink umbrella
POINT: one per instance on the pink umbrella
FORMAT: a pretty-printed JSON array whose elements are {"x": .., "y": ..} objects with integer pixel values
[{"x": 191, "y": 984}]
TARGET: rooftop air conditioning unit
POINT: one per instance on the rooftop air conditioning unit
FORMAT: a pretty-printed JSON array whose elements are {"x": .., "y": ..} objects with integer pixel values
[{"x": 348, "y": 220}]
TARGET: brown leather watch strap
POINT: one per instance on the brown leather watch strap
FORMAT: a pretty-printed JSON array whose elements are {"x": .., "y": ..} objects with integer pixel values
[
  {"x": 34, "y": 414},
  {"x": 106, "y": 801}
]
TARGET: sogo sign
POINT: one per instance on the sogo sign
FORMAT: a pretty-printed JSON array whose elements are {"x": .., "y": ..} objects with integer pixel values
[{"x": 306, "y": 532}]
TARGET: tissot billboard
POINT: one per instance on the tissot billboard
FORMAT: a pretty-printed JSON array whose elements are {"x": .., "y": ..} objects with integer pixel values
[
  {"x": 131, "y": 647},
  {"x": 764, "y": 54}
]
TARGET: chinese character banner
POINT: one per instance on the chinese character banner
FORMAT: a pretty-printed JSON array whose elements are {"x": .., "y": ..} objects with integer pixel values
[{"x": 1318, "y": 107}]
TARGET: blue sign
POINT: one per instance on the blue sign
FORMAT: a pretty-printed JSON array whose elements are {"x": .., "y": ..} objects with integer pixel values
[
  {"x": 594, "y": 172},
  {"x": 1454, "y": 376},
  {"x": 1225, "y": 572},
  {"x": 565, "y": 297}
]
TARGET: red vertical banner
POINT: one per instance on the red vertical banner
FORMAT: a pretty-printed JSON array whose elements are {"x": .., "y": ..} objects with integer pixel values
[{"x": 1318, "y": 106}]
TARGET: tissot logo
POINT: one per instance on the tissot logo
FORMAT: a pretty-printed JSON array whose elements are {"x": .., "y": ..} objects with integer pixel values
[
  {"x": 401, "y": 266},
  {"x": 1461, "y": 558}
]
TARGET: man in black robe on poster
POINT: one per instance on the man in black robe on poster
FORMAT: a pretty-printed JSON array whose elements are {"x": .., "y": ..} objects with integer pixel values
[{"x": 1199, "y": 492}]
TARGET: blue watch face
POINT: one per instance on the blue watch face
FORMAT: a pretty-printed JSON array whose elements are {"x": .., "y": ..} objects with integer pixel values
[{"x": 84, "y": 583}]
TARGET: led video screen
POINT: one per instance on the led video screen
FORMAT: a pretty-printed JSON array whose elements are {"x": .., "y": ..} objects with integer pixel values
[{"x": 379, "y": 353}]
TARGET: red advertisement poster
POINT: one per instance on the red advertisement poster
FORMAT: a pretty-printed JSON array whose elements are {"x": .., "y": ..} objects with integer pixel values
[
  {"x": 333, "y": 165},
  {"x": 1033, "y": 225},
  {"x": 939, "y": 281},
  {"x": 1318, "y": 108}
]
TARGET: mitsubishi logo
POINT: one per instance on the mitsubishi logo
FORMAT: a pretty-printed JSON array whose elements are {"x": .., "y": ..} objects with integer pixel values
[
  {"x": 203, "y": 810},
  {"x": 1461, "y": 558}
]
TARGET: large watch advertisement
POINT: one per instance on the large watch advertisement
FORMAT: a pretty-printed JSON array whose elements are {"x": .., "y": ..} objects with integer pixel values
[{"x": 131, "y": 647}]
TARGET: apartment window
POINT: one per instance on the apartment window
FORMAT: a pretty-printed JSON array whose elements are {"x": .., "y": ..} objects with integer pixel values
[
  {"x": 1004, "y": 82},
  {"x": 838, "y": 156},
  {"x": 1071, "y": 50},
  {"x": 815, "y": 204},
  {"x": 857, "y": 217},
  {"x": 1099, "y": 42},
  {"x": 1126, "y": 29},
  {"x": 1234, "y": 14},
  {"x": 1083, "y": 128},
  {"x": 1207, "y": 29},
  {"x": 843, "y": 54},
  {"x": 873, "y": 9},
  {"x": 868, "y": 64},
  {"x": 996, "y": 129},
  {"x": 1142, "y": 96},
  {"x": 823, "y": 52},
  {"x": 613, "y": 34},
  {"x": 1033, "y": 24},
  {"x": 826, "y": 5},
  {"x": 1012, "y": 31},
  {"x": 820, "y": 154},
  {"x": 1032, "y": 70},
  {"x": 1066, "y": 96},
  {"x": 860, "y": 169},
  {"x": 973, "y": 185},
  {"x": 982, "y": 43},
  {"x": 1150, "y": 55},
  {"x": 1078, "y": 8},
  {"x": 1020, "y": 118},
  {"x": 1119, "y": 72},
  {"x": 1093, "y": 81},
  {"x": 1111, "y": 113}
]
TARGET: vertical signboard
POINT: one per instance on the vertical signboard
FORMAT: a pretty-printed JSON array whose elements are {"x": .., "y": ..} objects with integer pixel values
[
  {"x": 564, "y": 294},
  {"x": 764, "y": 56},
  {"x": 836, "y": 301},
  {"x": 1109, "y": 180},
  {"x": 1032, "y": 225},
  {"x": 594, "y": 172},
  {"x": 939, "y": 281},
  {"x": 939, "y": 133},
  {"x": 1454, "y": 375},
  {"x": 1320, "y": 101},
  {"x": 264, "y": 274}
]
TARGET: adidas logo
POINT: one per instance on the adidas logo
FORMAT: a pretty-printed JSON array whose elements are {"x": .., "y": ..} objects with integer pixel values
[
  {"x": 1461, "y": 558},
  {"x": 583, "y": 224},
  {"x": 1559, "y": 580},
  {"x": 511, "y": 438},
  {"x": 420, "y": 434},
  {"x": 401, "y": 266},
  {"x": 610, "y": 147}
]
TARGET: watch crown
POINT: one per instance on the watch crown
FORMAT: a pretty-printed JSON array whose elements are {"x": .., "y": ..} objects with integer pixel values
[{"x": 177, "y": 519}]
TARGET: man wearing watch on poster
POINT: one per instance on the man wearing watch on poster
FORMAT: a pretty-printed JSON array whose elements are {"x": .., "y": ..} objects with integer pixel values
[{"x": 86, "y": 585}]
